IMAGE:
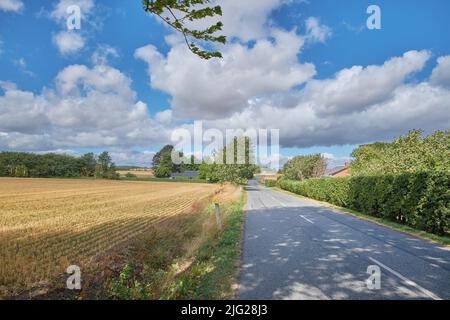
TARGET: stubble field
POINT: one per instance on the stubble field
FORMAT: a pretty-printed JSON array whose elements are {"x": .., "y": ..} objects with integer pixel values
[{"x": 47, "y": 225}]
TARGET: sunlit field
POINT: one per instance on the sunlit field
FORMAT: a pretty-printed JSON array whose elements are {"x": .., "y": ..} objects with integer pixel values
[
  {"x": 47, "y": 225},
  {"x": 139, "y": 173}
]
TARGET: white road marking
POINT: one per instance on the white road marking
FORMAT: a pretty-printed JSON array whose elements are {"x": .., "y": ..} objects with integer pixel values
[
  {"x": 307, "y": 219},
  {"x": 407, "y": 281}
]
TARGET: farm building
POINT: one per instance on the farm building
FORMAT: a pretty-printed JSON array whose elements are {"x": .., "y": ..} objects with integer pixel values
[{"x": 340, "y": 171}]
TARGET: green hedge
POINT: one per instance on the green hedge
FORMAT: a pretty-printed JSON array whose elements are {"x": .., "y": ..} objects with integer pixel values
[
  {"x": 419, "y": 200},
  {"x": 270, "y": 183}
]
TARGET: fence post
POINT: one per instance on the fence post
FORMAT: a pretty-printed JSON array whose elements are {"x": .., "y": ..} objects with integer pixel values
[{"x": 217, "y": 212}]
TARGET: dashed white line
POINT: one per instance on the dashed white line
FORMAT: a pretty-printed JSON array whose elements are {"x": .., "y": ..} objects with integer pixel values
[
  {"x": 306, "y": 219},
  {"x": 407, "y": 281}
]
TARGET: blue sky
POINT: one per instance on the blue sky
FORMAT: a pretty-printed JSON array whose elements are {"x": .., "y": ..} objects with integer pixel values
[{"x": 174, "y": 87}]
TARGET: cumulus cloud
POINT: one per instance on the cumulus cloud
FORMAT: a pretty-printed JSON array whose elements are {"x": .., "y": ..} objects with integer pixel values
[
  {"x": 356, "y": 88},
  {"x": 410, "y": 106},
  {"x": 441, "y": 74},
  {"x": 96, "y": 107},
  {"x": 245, "y": 20},
  {"x": 89, "y": 107},
  {"x": 70, "y": 41},
  {"x": 11, "y": 5},
  {"x": 258, "y": 87},
  {"x": 218, "y": 88},
  {"x": 59, "y": 12},
  {"x": 133, "y": 158},
  {"x": 335, "y": 160},
  {"x": 103, "y": 53},
  {"x": 261, "y": 82}
]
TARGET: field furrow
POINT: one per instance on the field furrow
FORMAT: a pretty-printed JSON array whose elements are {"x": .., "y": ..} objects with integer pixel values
[{"x": 47, "y": 225}]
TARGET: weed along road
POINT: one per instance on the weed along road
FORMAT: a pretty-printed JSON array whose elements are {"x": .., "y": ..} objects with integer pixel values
[{"x": 300, "y": 249}]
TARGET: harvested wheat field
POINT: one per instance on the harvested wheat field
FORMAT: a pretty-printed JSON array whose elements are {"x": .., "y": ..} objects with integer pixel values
[
  {"x": 140, "y": 173},
  {"x": 47, "y": 225}
]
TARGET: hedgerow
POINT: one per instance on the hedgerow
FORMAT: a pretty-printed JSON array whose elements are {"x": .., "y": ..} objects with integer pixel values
[
  {"x": 420, "y": 200},
  {"x": 270, "y": 183}
]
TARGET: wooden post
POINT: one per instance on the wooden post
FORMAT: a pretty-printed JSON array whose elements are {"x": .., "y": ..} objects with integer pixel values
[{"x": 218, "y": 219}]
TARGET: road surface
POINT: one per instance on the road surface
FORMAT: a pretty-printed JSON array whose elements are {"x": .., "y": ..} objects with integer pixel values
[{"x": 300, "y": 249}]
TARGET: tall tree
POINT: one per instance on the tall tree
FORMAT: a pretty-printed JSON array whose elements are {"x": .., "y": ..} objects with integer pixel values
[
  {"x": 181, "y": 15},
  {"x": 232, "y": 164},
  {"x": 305, "y": 167},
  {"x": 105, "y": 167},
  {"x": 409, "y": 153},
  {"x": 87, "y": 165},
  {"x": 162, "y": 156},
  {"x": 163, "y": 164}
]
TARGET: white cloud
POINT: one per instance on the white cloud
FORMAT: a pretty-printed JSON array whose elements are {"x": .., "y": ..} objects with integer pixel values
[
  {"x": 441, "y": 74},
  {"x": 217, "y": 88},
  {"x": 334, "y": 160},
  {"x": 68, "y": 42},
  {"x": 89, "y": 107},
  {"x": 59, "y": 12},
  {"x": 164, "y": 117},
  {"x": 356, "y": 88},
  {"x": 96, "y": 107},
  {"x": 419, "y": 106},
  {"x": 103, "y": 53},
  {"x": 7, "y": 85},
  {"x": 133, "y": 158},
  {"x": 11, "y": 5},
  {"x": 316, "y": 32},
  {"x": 256, "y": 85},
  {"x": 246, "y": 20}
]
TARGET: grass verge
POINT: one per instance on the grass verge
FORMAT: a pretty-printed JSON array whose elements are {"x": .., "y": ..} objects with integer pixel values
[
  {"x": 212, "y": 275},
  {"x": 444, "y": 240},
  {"x": 188, "y": 258}
]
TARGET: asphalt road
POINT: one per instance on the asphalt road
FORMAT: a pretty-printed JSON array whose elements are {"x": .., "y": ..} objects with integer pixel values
[{"x": 298, "y": 249}]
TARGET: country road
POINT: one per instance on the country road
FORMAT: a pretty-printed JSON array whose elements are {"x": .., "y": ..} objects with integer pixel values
[{"x": 300, "y": 249}]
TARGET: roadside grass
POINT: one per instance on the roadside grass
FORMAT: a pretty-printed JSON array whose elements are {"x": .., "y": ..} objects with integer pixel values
[
  {"x": 214, "y": 270},
  {"x": 188, "y": 258},
  {"x": 444, "y": 240}
]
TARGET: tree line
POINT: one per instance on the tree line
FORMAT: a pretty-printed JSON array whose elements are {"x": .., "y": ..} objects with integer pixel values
[
  {"x": 23, "y": 165},
  {"x": 406, "y": 181},
  {"x": 214, "y": 169},
  {"x": 163, "y": 166},
  {"x": 410, "y": 153}
]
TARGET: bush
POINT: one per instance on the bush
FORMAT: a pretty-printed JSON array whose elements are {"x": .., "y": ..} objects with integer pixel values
[
  {"x": 420, "y": 200},
  {"x": 332, "y": 190},
  {"x": 162, "y": 172},
  {"x": 270, "y": 183}
]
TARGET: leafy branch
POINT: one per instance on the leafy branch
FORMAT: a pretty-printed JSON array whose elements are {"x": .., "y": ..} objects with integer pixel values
[{"x": 178, "y": 13}]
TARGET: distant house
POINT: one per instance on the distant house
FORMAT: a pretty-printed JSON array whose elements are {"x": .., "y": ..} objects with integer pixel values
[
  {"x": 186, "y": 174},
  {"x": 340, "y": 171}
]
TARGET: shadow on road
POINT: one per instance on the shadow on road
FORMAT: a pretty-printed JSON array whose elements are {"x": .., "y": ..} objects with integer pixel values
[{"x": 306, "y": 252}]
